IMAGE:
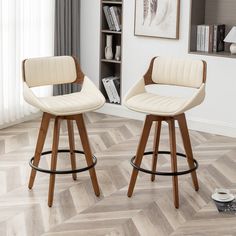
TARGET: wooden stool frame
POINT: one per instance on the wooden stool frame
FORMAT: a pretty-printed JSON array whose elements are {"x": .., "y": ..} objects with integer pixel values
[
  {"x": 90, "y": 159},
  {"x": 137, "y": 159}
]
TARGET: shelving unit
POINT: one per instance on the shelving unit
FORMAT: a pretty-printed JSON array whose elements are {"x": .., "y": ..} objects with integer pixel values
[
  {"x": 211, "y": 12},
  {"x": 109, "y": 67}
]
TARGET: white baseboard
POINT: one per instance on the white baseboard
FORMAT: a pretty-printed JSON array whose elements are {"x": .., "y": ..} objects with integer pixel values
[
  {"x": 208, "y": 126},
  {"x": 212, "y": 126},
  {"x": 26, "y": 118}
]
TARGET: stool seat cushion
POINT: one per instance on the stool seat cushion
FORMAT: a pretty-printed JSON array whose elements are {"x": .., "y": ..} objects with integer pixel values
[
  {"x": 155, "y": 104},
  {"x": 138, "y": 99},
  {"x": 88, "y": 99}
]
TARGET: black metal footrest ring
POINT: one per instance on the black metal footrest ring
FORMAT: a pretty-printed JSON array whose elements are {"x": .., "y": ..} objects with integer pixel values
[
  {"x": 61, "y": 172},
  {"x": 165, "y": 173}
]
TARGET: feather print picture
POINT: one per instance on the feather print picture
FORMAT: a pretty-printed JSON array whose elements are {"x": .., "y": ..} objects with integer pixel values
[{"x": 157, "y": 18}]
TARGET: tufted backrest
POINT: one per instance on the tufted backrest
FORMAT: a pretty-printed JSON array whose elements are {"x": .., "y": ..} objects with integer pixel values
[
  {"x": 180, "y": 72},
  {"x": 50, "y": 70}
]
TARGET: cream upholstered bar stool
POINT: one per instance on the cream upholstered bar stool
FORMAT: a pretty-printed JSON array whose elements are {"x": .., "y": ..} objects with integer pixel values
[
  {"x": 160, "y": 108},
  {"x": 70, "y": 107}
]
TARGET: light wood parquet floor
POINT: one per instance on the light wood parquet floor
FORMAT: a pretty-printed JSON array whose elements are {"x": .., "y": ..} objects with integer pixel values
[{"x": 77, "y": 211}]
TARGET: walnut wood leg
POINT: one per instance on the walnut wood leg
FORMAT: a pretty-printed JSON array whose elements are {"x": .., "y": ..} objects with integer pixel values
[
  {"x": 156, "y": 148},
  {"x": 171, "y": 124},
  {"x": 88, "y": 154},
  {"x": 72, "y": 146},
  {"x": 56, "y": 134},
  {"x": 187, "y": 146},
  {"x": 39, "y": 146},
  {"x": 139, "y": 153}
]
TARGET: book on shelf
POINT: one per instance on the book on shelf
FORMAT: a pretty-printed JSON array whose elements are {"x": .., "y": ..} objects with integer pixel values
[
  {"x": 199, "y": 28},
  {"x": 219, "y": 35},
  {"x": 106, "y": 84},
  {"x": 210, "y": 38},
  {"x": 108, "y": 17},
  {"x": 115, "y": 87},
  {"x": 118, "y": 16},
  {"x": 200, "y": 37},
  {"x": 113, "y": 17},
  {"x": 115, "y": 13},
  {"x": 112, "y": 87}
]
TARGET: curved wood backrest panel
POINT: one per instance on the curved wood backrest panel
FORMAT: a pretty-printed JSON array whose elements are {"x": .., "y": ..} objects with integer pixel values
[
  {"x": 148, "y": 75},
  {"x": 204, "y": 71},
  {"x": 80, "y": 74}
]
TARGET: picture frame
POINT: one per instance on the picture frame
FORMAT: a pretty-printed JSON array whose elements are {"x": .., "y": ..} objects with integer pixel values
[{"x": 157, "y": 18}]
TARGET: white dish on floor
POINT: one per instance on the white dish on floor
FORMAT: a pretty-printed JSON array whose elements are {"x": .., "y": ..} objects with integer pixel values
[{"x": 215, "y": 197}]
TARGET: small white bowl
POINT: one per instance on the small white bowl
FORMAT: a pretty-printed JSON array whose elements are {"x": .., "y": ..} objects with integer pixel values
[{"x": 215, "y": 196}]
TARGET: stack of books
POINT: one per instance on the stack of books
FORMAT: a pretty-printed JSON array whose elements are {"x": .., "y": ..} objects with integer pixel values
[
  {"x": 113, "y": 17},
  {"x": 226, "y": 207},
  {"x": 210, "y": 38},
  {"x": 112, "y": 87}
]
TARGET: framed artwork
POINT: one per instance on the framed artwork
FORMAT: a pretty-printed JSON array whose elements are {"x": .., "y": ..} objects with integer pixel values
[{"x": 157, "y": 18}]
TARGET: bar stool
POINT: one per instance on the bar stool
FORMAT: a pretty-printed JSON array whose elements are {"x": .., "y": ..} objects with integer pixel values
[
  {"x": 159, "y": 108},
  {"x": 70, "y": 107}
]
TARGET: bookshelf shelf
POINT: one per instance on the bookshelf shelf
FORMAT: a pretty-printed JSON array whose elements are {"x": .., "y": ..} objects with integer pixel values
[
  {"x": 110, "y": 69},
  {"x": 117, "y": 104},
  {"x": 111, "y": 32},
  {"x": 112, "y": 2},
  {"x": 214, "y": 54},
  {"x": 111, "y": 61},
  {"x": 211, "y": 12}
]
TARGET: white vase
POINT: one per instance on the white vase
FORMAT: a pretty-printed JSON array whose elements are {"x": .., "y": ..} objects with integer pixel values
[
  {"x": 108, "y": 48},
  {"x": 118, "y": 53},
  {"x": 233, "y": 48}
]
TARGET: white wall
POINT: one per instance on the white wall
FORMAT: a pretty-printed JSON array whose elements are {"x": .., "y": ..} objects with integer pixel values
[
  {"x": 217, "y": 114},
  {"x": 90, "y": 36}
]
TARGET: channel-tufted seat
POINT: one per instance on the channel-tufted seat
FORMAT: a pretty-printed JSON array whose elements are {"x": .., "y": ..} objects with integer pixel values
[
  {"x": 167, "y": 108},
  {"x": 168, "y": 71}
]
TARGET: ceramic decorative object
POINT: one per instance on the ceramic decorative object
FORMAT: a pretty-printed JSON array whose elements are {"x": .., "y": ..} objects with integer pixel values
[
  {"x": 222, "y": 195},
  {"x": 231, "y": 38},
  {"x": 108, "y": 48},
  {"x": 118, "y": 54},
  {"x": 233, "y": 48}
]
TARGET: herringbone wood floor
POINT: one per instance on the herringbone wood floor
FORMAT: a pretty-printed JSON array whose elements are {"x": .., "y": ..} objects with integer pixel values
[{"x": 76, "y": 210}]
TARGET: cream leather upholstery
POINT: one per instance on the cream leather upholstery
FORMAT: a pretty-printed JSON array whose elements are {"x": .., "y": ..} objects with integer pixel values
[
  {"x": 179, "y": 72},
  {"x": 49, "y": 70},
  {"x": 46, "y": 71}
]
